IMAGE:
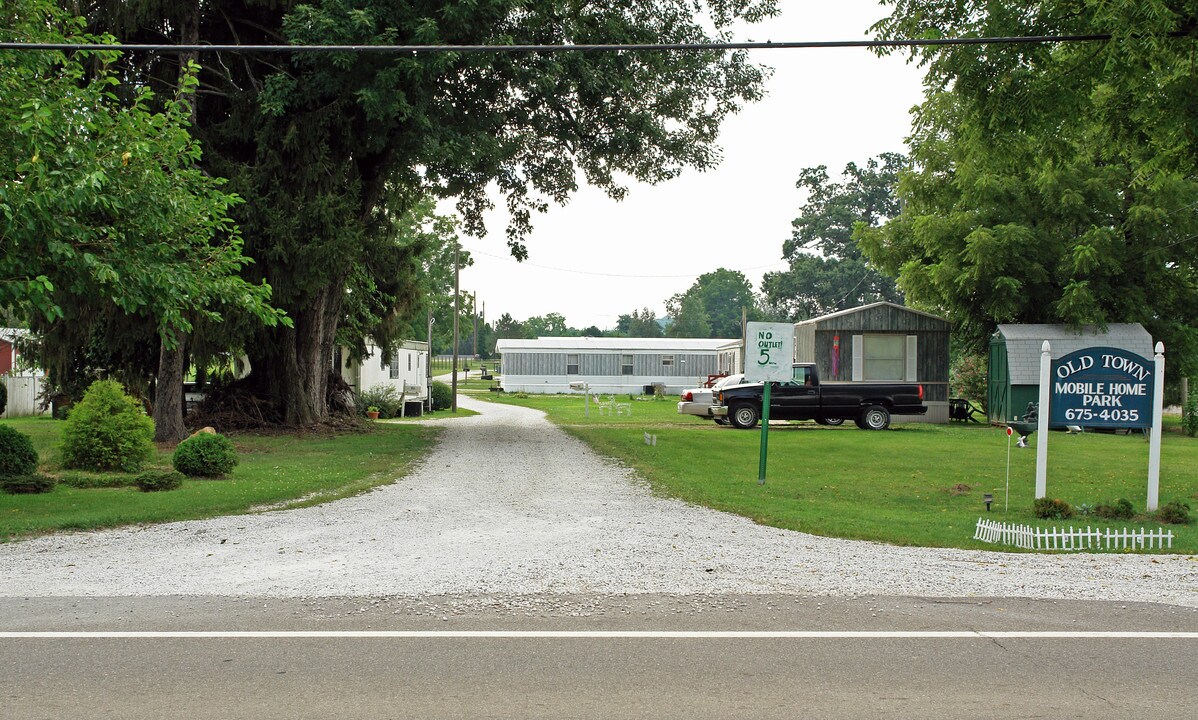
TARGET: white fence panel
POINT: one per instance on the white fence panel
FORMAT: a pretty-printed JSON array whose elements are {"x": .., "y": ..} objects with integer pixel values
[
  {"x": 1035, "y": 538},
  {"x": 22, "y": 395}
]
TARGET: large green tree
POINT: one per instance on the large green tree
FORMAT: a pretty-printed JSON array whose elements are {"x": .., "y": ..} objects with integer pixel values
[
  {"x": 827, "y": 271},
  {"x": 1052, "y": 182},
  {"x": 111, "y": 230},
  {"x": 723, "y": 296},
  {"x": 328, "y": 149}
]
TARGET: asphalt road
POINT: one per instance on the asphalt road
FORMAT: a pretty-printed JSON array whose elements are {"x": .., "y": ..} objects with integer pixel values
[{"x": 588, "y": 657}]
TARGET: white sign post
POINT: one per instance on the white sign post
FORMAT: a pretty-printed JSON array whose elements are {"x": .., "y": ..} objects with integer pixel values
[
  {"x": 1042, "y": 412},
  {"x": 769, "y": 354},
  {"x": 1154, "y": 439}
]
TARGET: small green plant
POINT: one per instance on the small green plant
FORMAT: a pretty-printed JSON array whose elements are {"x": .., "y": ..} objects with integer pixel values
[
  {"x": 1174, "y": 512},
  {"x": 442, "y": 395},
  {"x": 205, "y": 455},
  {"x": 31, "y": 484},
  {"x": 17, "y": 456},
  {"x": 383, "y": 399},
  {"x": 1084, "y": 509},
  {"x": 159, "y": 480},
  {"x": 1189, "y": 415},
  {"x": 1120, "y": 509},
  {"x": 107, "y": 430},
  {"x": 1052, "y": 509}
]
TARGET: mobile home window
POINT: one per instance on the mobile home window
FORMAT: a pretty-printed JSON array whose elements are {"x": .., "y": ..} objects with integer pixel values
[
  {"x": 395, "y": 365},
  {"x": 667, "y": 361},
  {"x": 885, "y": 357},
  {"x": 625, "y": 364},
  {"x": 572, "y": 364},
  {"x": 409, "y": 363}
]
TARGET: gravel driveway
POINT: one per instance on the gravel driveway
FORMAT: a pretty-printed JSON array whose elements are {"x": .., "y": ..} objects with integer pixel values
[{"x": 509, "y": 504}]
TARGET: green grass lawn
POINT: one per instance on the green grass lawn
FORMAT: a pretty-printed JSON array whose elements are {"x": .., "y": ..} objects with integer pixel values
[
  {"x": 288, "y": 470},
  {"x": 919, "y": 484}
]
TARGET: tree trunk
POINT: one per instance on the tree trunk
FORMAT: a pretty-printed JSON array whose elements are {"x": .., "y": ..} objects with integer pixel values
[
  {"x": 168, "y": 386},
  {"x": 168, "y": 395}
]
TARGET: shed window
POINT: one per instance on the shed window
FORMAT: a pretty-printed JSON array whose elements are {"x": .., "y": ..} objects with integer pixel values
[
  {"x": 885, "y": 357},
  {"x": 572, "y": 364},
  {"x": 625, "y": 364},
  {"x": 395, "y": 365},
  {"x": 667, "y": 361}
]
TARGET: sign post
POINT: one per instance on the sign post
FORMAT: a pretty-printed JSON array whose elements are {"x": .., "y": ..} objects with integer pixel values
[
  {"x": 768, "y": 358},
  {"x": 1007, "y": 495},
  {"x": 1154, "y": 442}
]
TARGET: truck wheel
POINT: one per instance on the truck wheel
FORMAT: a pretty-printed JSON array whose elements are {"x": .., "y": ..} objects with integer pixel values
[
  {"x": 743, "y": 416},
  {"x": 874, "y": 417},
  {"x": 829, "y": 421},
  {"x": 721, "y": 421}
]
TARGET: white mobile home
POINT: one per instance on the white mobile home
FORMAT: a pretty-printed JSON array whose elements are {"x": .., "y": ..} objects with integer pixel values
[
  {"x": 406, "y": 371},
  {"x": 607, "y": 365}
]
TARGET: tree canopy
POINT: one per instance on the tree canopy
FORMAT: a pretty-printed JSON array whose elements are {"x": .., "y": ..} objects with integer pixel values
[
  {"x": 329, "y": 150},
  {"x": 1052, "y": 182},
  {"x": 827, "y": 271},
  {"x": 715, "y": 301},
  {"x": 103, "y": 204}
]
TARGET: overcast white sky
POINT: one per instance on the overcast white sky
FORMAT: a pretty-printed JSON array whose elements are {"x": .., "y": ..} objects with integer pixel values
[{"x": 596, "y": 259}]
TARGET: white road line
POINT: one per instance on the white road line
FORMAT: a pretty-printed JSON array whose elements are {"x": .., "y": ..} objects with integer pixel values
[{"x": 609, "y": 634}]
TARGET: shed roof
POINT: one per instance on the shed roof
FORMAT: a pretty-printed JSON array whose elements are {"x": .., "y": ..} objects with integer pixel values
[
  {"x": 612, "y": 344},
  {"x": 1024, "y": 342},
  {"x": 871, "y": 306}
]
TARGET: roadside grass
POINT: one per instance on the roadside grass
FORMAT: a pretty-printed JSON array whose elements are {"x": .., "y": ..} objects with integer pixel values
[
  {"x": 919, "y": 484},
  {"x": 275, "y": 470}
]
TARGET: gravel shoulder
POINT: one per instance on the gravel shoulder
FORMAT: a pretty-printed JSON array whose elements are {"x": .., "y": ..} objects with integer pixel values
[{"x": 510, "y": 505}]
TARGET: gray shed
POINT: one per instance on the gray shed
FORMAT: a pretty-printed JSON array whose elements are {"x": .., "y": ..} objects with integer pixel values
[
  {"x": 881, "y": 342},
  {"x": 1013, "y": 377}
]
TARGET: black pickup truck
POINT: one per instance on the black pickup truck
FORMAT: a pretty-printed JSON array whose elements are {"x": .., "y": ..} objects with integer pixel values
[{"x": 869, "y": 404}]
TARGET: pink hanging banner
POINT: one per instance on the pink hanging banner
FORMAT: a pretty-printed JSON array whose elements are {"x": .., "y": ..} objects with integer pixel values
[{"x": 835, "y": 357}]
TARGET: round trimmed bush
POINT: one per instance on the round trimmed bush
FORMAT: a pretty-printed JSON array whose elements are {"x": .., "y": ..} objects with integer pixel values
[
  {"x": 107, "y": 430},
  {"x": 1052, "y": 509},
  {"x": 159, "y": 480},
  {"x": 1174, "y": 512},
  {"x": 17, "y": 456},
  {"x": 30, "y": 484},
  {"x": 442, "y": 395},
  {"x": 205, "y": 455}
]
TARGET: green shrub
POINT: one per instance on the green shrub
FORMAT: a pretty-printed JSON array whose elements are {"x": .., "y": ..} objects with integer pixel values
[
  {"x": 30, "y": 484},
  {"x": 1052, "y": 509},
  {"x": 1121, "y": 509},
  {"x": 1189, "y": 415},
  {"x": 107, "y": 430},
  {"x": 383, "y": 398},
  {"x": 442, "y": 395},
  {"x": 17, "y": 456},
  {"x": 159, "y": 480},
  {"x": 91, "y": 481},
  {"x": 1174, "y": 512},
  {"x": 205, "y": 455},
  {"x": 967, "y": 377}
]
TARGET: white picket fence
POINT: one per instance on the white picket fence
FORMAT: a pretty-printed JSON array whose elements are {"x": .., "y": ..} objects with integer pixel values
[{"x": 1036, "y": 538}]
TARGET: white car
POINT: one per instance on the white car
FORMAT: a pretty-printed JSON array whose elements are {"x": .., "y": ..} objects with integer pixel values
[{"x": 700, "y": 401}]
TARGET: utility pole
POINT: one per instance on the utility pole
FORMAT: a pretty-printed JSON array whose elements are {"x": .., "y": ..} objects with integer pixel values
[
  {"x": 474, "y": 307},
  {"x": 457, "y": 311},
  {"x": 428, "y": 363}
]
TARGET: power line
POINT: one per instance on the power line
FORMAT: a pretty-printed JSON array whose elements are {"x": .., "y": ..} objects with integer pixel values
[
  {"x": 586, "y": 48},
  {"x": 619, "y": 275}
]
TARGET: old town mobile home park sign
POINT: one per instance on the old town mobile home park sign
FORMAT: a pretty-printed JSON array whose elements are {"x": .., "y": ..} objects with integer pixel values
[{"x": 1102, "y": 387}]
